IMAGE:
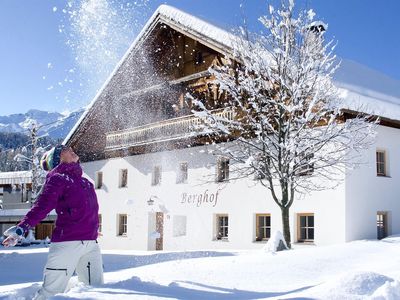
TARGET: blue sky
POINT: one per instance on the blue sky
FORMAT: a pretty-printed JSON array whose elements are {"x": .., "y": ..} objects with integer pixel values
[{"x": 38, "y": 68}]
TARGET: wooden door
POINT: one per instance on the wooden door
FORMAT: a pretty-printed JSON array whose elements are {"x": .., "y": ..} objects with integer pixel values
[
  {"x": 381, "y": 225},
  {"x": 160, "y": 230},
  {"x": 43, "y": 230}
]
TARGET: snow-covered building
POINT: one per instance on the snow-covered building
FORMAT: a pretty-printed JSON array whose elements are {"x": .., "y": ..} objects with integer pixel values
[
  {"x": 15, "y": 189},
  {"x": 160, "y": 188},
  {"x": 15, "y": 202}
]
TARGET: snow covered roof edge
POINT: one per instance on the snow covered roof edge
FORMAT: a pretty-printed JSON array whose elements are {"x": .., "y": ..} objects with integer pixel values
[
  {"x": 17, "y": 177},
  {"x": 216, "y": 36}
]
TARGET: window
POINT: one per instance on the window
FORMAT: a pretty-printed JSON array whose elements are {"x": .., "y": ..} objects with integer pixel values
[
  {"x": 156, "y": 176},
  {"x": 199, "y": 58},
  {"x": 222, "y": 227},
  {"x": 123, "y": 178},
  {"x": 179, "y": 226},
  {"x": 18, "y": 188},
  {"x": 381, "y": 225},
  {"x": 380, "y": 163},
  {"x": 263, "y": 227},
  {"x": 222, "y": 169},
  {"x": 306, "y": 166},
  {"x": 260, "y": 172},
  {"x": 182, "y": 174},
  {"x": 100, "y": 223},
  {"x": 305, "y": 228},
  {"x": 122, "y": 224},
  {"x": 99, "y": 180}
]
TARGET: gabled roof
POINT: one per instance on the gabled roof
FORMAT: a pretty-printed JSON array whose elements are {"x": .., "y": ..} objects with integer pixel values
[
  {"x": 357, "y": 97},
  {"x": 208, "y": 34}
]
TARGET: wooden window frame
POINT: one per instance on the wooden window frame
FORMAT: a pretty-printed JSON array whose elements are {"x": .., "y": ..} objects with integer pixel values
[
  {"x": 306, "y": 169},
  {"x": 258, "y": 239},
  {"x": 260, "y": 172},
  {"x": 156, "y": 175},
  {"x": 182, "y": 174},
  {"x": 222, "y": 169},
  {"x": 299, "y": 239},
  {"x": 218, "y": 226},
  {"x": 123, "y": 178},
  {"x": 98, "y": 180},
  {"x": 122, "y": 226},
  {"x": 378, "y": 163}
]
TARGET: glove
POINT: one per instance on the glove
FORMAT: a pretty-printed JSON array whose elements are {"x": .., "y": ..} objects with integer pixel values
[{"x": 13, "y": 234}]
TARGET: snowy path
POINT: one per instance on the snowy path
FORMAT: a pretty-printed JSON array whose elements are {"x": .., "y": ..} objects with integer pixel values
[{"x": 357, "y": 270}]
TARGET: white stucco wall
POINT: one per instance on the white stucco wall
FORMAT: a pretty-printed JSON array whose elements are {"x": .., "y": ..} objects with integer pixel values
[
  {"x": 367, "y": 193},
  {"x": 241, "y": 200}
]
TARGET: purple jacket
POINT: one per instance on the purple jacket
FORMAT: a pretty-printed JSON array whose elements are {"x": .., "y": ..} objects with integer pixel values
[{"x": 74, "y": 199}]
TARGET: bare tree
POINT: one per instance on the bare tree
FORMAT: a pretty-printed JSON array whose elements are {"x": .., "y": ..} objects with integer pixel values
[
  {"x": 36, "y": 151},
  {"x": 286, "y": 124}
]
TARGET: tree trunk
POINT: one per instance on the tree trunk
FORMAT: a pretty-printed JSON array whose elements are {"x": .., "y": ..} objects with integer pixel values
[{"x": 285, "y": 225}]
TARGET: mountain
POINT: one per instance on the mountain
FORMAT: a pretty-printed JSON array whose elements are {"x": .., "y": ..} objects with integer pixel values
[
  {"x": 15, "y": 139},
  {"x": 53, "y": 124}
]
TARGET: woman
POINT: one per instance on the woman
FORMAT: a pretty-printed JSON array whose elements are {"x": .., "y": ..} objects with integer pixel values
[{"x": 73, "y": 243}]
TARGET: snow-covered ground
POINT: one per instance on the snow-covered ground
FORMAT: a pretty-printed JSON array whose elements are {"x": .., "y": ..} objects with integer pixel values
[{"x": 356, "y": 270}]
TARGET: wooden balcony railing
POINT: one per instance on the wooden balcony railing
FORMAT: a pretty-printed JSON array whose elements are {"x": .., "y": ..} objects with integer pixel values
[{"x": 166, "y": 130}]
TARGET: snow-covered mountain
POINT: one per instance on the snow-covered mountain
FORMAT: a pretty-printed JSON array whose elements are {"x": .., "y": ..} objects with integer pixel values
[{"x": 55, "y": 124}]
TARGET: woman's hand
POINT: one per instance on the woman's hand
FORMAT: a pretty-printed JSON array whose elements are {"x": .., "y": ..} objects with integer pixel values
[
  {"x": 11, "y": 241},
  {"x": 13, "y": 234}
]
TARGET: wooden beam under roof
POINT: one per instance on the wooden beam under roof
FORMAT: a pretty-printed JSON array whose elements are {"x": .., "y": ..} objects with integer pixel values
[{"x": 168, "y": 83}]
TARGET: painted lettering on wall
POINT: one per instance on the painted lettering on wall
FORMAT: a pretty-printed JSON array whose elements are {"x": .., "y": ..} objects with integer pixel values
[{"x": 206, "y": 198}]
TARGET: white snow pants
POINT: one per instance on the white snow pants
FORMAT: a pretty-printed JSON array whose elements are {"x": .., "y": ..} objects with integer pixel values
[{"x": 65, "y": 258}]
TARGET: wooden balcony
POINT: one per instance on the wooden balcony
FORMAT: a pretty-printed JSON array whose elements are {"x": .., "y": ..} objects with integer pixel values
[{"x": 167, "y": 130}]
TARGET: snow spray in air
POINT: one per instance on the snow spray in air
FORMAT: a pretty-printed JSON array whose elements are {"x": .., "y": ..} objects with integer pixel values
[{"x": 98, "y": 33}]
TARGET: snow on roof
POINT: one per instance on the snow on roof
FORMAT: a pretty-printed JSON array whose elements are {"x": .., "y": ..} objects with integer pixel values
[
  {"x": 15, "y": 177},
  {"x": 13, "y": 212},
  {"x": 370, "y": 105},
  {"x": 371, "y": 90},
  {"x": 321, "y": 26},
  {"x": 195, "y": 25},
  {"x": 367, "y": 90},
  {"x": 367, "y": 81},
  {"x": 180, "y": 21},
  {"x": 20, "y": 212}
]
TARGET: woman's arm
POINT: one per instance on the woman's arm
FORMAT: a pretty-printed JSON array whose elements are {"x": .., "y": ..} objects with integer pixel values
[{"x": 46, "y": 202}]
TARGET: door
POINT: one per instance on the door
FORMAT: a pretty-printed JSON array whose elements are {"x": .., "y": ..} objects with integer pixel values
[
  {"x": 381, "y": 225},
  {"x": 44, "y": 230},
  {"x": 160, "y": 230}
]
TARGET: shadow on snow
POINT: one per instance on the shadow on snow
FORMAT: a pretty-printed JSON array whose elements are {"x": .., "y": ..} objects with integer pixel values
[
  {"x": 28, "y": 267},
  {"x": 115, "y": 262},
  {"x": 135, "y": 287}
]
